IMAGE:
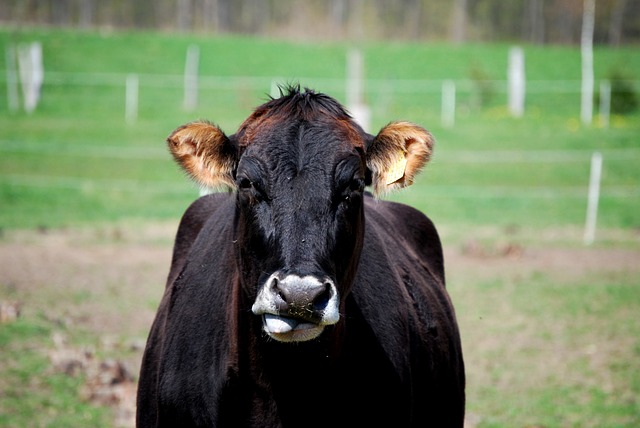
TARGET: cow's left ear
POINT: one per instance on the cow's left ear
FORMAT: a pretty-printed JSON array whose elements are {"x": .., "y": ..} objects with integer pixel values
[
  {"x": 205, "y": 153},
  {"x": 397, "y": 154}
]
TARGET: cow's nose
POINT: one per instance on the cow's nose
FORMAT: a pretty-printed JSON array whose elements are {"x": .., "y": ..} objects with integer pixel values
[
  {"x": 302, "y": 296},
  {"x": 300, "y": 299}
]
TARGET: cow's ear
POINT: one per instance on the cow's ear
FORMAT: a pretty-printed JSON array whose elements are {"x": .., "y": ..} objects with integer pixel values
[
  {"x": 205, "y": 153},
  {"x": 397, "y": 154}
]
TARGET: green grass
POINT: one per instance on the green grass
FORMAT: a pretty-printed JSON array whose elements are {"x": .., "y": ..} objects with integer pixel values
[
  {"x": 543, "y": 348},
  {"x": 57, "y": 163},
  {"x": 555, "y": 362},
  {"x": 31, "y": 393}
]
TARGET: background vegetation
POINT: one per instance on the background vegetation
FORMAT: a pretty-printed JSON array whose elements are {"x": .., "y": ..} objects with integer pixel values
[
  {"x": 617, "y": 22},
  {"x": 75, "y": 159},
  {"x": 554, "y": 343}
]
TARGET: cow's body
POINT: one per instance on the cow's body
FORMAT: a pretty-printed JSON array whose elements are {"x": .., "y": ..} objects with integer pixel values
[{"x": 392, "y": 358}]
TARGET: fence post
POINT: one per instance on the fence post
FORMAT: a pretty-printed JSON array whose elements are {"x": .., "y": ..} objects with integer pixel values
[
  {"x": 516, "y": 82},
  {"x": 355, "y": 89},
  {"x": 31, "y": 73},
  {"x": 594, "y": 196}
]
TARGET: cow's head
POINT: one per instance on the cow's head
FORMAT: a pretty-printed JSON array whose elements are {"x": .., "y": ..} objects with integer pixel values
[{"x": 299, "y": 166}]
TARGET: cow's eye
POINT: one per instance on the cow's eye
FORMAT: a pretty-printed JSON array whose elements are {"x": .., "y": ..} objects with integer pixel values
[
  {"x": 252, "y": 189},
  {"x": 245, "y": 183},
  {"x": 352, "y": 189}
]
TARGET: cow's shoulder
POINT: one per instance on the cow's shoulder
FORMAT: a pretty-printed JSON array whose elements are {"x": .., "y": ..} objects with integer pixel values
[
  {"x": 404, "y": 232},
  {"x": 191, "y": 224},
  {"x": 400, "y": 292}
]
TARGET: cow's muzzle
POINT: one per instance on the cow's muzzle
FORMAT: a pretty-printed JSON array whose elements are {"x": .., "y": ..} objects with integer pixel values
[{"x": 295, "y": 308}]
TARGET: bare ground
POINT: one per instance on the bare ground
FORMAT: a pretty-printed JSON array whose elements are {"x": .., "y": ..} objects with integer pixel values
[{"x": 108, "y": 281}]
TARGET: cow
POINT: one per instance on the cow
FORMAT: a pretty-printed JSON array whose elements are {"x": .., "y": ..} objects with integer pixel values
[{"x": 299, "y": 297}]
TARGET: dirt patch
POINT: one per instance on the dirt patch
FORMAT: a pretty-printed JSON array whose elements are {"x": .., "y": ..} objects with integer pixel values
[
  {"x": 109, "y": 281},
  {"x": 105, "y": 280},
  {"x": 101, "y": 283}
]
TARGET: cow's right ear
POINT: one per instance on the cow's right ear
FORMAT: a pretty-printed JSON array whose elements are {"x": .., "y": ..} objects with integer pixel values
[
  {"x": 397, "y": 154},
  {"x": 205, "y": 153}
]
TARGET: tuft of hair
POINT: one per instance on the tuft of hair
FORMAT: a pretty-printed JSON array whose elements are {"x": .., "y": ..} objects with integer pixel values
[{"x": 304, "y": 102}]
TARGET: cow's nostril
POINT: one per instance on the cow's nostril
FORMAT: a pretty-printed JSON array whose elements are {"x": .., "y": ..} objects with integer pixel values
[
  {"x": 322, "y": 299},
  {"x": 277, "y": 289}
]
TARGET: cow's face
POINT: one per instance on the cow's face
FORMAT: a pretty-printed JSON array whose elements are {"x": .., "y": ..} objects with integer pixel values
[{"x": 299, "y": 166}]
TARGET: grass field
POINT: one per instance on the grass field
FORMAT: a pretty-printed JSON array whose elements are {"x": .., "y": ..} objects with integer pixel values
[
  {"x": 550, "y": 328},
  {"x": 75, "y": 160}
]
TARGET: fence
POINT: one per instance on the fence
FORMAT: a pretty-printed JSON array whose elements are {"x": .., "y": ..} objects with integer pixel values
[
  {"x": 443, "y": 99},
  {"x": 127, "y": 95}
]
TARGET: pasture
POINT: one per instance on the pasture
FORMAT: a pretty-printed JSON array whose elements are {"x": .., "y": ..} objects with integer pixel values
[{"x": 90, "y": 203}]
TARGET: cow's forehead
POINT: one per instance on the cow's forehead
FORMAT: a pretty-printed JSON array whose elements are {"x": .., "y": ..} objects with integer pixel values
[
  {"x": 273, "y": 122},
  {"x": 291, "y": 148}
]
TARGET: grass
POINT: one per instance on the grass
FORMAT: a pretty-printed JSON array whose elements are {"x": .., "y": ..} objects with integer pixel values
[
  {"x": 551, "y": 336},
  {"x": 555, "y": 363},
  {"x": 31, "y": 394},
  {"x": 76, "y": 161},
  {"x": 553, "y": 345}
]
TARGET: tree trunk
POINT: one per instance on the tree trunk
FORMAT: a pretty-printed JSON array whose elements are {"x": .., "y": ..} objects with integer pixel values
[
  {"x": 184, "y": 15},
  {"x": 210, "y": 16},
  {"x": 586, "y": 45},
  {"x": 459, "y": 22},
  {"x": 615, "y": 23},
  {"x": 534, "y": 21},
  {"x": 87, "y": 12}
]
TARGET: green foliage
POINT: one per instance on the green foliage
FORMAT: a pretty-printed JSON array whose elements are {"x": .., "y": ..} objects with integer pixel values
[
  {"x": 623, "y": 94},
  {"x": 624, "y": 97}
]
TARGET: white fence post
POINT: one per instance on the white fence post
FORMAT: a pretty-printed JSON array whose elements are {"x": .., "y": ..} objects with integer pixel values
[
  {"x": 191, "y": 78},
  {"x": 355, "y": 89},
  {"x": 516, "y": 81},
  {"x": 594, "y": 196},
  {"x": 131, "y": 107},
  {"x": 448, "y": 113},
  {"x": 586, "y": 49},
  {"x": 31, "y": 73}
]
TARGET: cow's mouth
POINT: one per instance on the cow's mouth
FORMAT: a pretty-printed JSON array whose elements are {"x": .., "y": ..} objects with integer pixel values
[{"x": 288, "y": 329}]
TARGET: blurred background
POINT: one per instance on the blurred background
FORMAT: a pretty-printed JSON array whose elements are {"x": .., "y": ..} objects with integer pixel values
[
  {"x": 617, "y": 22},
  {"x": 534, "y": 185}
]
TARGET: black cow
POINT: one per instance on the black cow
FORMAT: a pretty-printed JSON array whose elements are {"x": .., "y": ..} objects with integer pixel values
[{"x": 299, "y": 300}]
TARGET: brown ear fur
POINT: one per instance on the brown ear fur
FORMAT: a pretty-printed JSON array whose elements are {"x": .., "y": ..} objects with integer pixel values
[
  {"x": 205, "y": 153},
  {"x": 397, "y": 154}
]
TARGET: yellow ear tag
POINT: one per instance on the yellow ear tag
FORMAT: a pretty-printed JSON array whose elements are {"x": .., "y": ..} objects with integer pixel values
[{"x": 396, "y": 172}]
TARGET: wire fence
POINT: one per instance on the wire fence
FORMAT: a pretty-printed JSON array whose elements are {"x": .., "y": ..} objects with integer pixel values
[
  {"x": 379, "y": 93},
  {"x": 382, "y": 94}
]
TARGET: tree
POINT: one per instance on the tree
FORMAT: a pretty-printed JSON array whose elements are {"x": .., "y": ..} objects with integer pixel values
[
  {"x": 459, "y": 22},
  {"x": 586, "y": 47},
  {"x": 184, "y": 14},
  {"x": 615, "y": 22},
  {"x": 533, "y": 28}
]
